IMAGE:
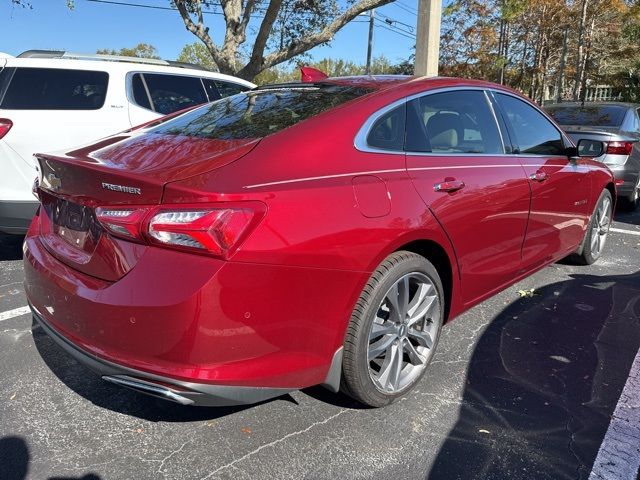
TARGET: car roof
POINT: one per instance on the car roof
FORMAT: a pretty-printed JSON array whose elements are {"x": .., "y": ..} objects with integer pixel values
[{"x": 120, "y": 65}]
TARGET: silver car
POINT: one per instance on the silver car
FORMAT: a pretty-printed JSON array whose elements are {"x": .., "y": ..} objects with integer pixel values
[{"x": 618, "y": 126}]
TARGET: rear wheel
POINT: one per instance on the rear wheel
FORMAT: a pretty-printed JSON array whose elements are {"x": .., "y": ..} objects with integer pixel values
[
  {"x": 394, "y": 330},
  {"x": 597, "y": 231}
]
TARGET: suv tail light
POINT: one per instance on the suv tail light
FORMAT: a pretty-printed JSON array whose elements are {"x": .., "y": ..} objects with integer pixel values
[
  {"x": 5, "y": 126},
  {"x": 619, "y": 148},
  {"x": 212, "y": 230}
]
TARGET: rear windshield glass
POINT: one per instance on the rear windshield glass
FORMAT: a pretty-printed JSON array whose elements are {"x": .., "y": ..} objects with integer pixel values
[
  {"x": 55, "y": 89},
  {"x": 594, "y": 115},
  {"x": 258, "y": 113}
]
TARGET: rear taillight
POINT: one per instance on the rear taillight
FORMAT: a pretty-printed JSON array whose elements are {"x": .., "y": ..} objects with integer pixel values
[
  {"x": 619, "y": 148},
  {"x": 216, "y": 231},
  {"x": 5, "y": 126},
  {"x": 123, "y": 222}
]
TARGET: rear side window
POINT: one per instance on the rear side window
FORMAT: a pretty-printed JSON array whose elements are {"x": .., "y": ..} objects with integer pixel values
[
  {"x": 387, "y": 133},
  {"x": 227, "y": 89},
  {"x": 531, "y": 131},
  {"x": 55, "y": 89},
  {"x": 258, "y": 113},
  {"x": 452, "y": 122},
  {"x": 212, "y": 89},
  {"x": 594, "y": 115},
  {"x": 170, "y": 93}
]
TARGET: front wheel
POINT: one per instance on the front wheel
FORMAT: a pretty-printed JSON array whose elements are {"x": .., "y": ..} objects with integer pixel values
[
  {"x": 597, "y": 231},
  {"x": 394, "y": 330}
]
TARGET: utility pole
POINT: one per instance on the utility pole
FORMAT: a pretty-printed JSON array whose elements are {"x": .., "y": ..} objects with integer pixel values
[
  {"x": 372, "y": 16},
  {"x": 563, "y": 60},
  {"x": 428, "y": 37}
]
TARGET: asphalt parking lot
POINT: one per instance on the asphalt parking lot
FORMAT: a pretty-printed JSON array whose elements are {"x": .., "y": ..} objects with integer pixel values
[{"x": 522, "y": 387}]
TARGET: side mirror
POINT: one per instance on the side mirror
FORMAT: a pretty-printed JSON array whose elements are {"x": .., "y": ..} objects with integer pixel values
[{"x": 589, "y": 148}]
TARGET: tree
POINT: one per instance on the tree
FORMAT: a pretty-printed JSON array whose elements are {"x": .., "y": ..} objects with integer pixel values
[
  {"x": 197, "y": 54},
  {"x": 142, "y": 50},
  {"x": 287, "y": 28}
]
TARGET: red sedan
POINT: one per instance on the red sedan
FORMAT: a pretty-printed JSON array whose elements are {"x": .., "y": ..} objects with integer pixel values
[{"x": 304, "y": 234}]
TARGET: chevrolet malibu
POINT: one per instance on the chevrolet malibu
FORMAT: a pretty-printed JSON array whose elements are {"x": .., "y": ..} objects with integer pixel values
[{"x": 304, "y": 234}]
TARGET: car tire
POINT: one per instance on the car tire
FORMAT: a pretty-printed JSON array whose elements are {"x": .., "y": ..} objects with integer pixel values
[
  {"x": 591, "y": 248},
  {"x": 394, "y": 330}
]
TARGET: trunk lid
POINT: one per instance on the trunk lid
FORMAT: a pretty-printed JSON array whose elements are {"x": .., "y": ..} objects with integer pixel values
[{"x": 117, "y": 171}]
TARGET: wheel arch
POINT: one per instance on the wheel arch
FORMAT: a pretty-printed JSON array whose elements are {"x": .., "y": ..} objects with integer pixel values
[{"x": 438, "y": 256}]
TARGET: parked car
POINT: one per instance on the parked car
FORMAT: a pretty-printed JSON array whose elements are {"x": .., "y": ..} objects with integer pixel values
[
  {"x": 53, "y": 100},
  {"x": 618, "y": 126},
  {"x": 304, "y": 234}
]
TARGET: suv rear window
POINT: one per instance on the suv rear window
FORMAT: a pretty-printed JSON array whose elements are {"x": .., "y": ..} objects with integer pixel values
[
  {"x": 259, "y": 112},
  {"x": 54, "y": 89},
  {"x": 594, "y": 115}
]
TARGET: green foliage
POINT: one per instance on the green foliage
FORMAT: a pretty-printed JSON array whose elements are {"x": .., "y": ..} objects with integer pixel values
[
  {"x": 142, "y": 50},
  {"x": 333, "y": 68},
  {"x": 197, "y": 54}
]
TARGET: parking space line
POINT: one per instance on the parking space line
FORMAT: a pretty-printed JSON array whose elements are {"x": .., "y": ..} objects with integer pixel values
[
  {"x": 619, "y": 454},
  {"x": 629, "y": 232},
  {"x": 16, "y": 312}
]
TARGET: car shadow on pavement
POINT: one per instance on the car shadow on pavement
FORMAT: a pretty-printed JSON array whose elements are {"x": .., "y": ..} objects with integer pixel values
[
  {"x": 11, "y": 247},
  {"x": 543, "y": 382},
  {"x": 625, "y": 216},
  {"x": 15, "y": 458},
  {"x": 89, "y": 385}
]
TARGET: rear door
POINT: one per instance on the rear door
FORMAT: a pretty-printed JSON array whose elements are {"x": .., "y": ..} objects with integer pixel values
[
  {"x": 559, "y": 185},
  {"x": 456, "y": 159}
]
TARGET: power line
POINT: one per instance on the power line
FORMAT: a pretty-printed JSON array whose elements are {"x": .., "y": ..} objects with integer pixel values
[
  {"x": 386, "y": 27},
  {"x": 405, "y": 7},
  {"x": 393, "y": 28},
  {"x": 393, "y": 21}
]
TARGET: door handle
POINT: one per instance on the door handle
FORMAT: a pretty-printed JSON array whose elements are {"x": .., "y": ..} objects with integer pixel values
[
  {"x": 539, "y": 176},
  {"x": 449, "y": 186}
]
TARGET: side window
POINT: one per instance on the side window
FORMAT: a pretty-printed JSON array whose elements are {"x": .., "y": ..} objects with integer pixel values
[
  {"x": 227, "y": 89},
  {"x": 55, "y": 89},
  {"x": 140, "y": 92},
  {"x": 637, "y": 122},
  {"x": 387, "y": 133},
  {"x": 170, "y": 93},
  {"x": 531, "y": 131},
  {"x": 211, "y": 89},
  {"x": 452, "y": 122}
]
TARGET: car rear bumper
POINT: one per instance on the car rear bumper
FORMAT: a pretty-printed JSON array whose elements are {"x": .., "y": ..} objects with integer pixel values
[
  {"x": 626, "y": 179},
  {"x": 185, "y": 393},
  {"x": 16, "y": 215},
  {"x": 235, "y": 332}
]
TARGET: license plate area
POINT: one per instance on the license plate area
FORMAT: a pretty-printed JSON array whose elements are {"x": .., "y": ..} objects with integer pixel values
[{"x": 71, "y": 222}]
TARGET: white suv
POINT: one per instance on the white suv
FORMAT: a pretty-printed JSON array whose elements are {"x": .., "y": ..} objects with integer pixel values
[{"x": 55, "y": 100}]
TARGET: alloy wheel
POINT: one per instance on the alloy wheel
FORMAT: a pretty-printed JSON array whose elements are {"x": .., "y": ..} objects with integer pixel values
[
  {"x": 600, "y": 227},
  {"x": 403, "y": 333}
]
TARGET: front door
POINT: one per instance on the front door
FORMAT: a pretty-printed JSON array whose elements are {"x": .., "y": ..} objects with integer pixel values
[
  {"x": 559, "y": 187},
  {"x": 455, "y": 157}
]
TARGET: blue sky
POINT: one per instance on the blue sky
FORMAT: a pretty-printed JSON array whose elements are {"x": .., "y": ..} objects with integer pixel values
[{"x": 51, "y": 25}]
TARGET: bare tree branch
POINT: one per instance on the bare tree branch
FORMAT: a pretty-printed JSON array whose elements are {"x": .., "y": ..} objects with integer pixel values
[{"x": 323, "y": 36}]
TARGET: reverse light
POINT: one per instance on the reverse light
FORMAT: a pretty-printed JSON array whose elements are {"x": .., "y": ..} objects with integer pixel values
[
  {"x": 5, "y": 126},
  {"x": 619, "y": 148}
]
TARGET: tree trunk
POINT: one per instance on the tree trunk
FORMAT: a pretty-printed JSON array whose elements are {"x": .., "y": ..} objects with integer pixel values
[{"x": 580, "y": 55}]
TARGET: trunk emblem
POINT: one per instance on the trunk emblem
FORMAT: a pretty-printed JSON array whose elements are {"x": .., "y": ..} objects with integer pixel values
[{"x": 121, "y": 188}]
